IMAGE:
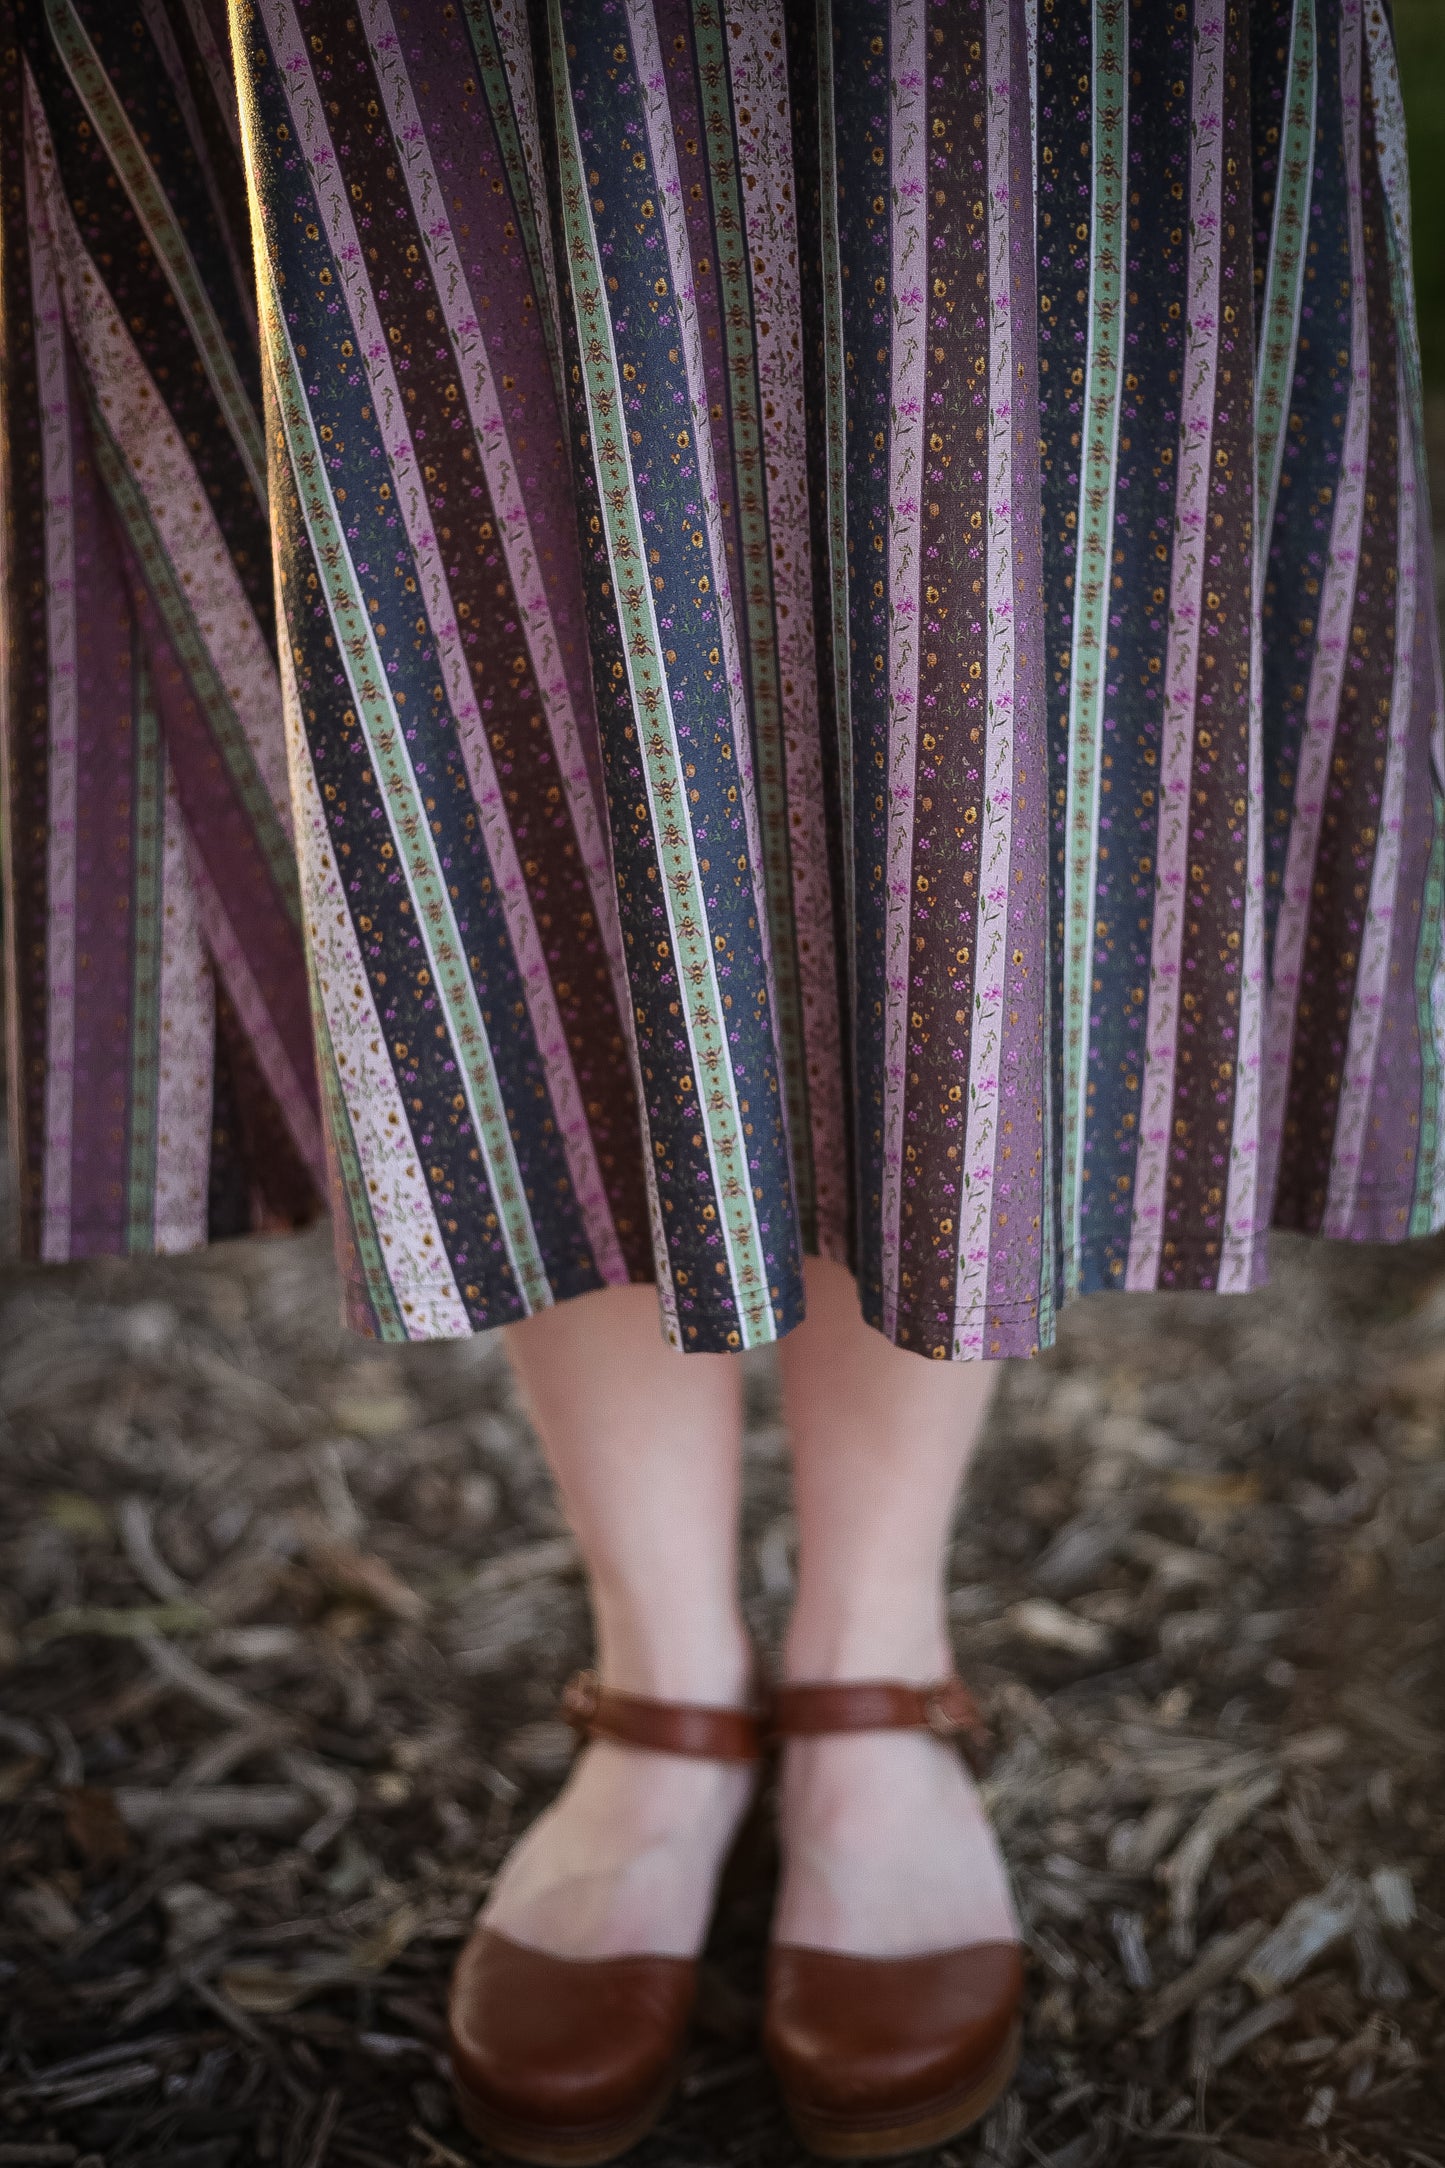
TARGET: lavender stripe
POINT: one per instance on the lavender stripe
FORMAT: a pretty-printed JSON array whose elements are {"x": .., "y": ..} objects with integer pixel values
[
  {"x": 976, "y": 1211},
  {"x": 1377, "y": 940},
  {"x": 1019, "y": 1238}
]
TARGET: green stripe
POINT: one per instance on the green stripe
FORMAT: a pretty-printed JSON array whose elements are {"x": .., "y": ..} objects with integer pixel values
[
  {"x": 152, "y": 208},
  {"x": 148, "y": 829},
  {"x": 835, "y": 421},
  {"x": 1284, "y": 282},
  {"x": 195, "y": 658},
  {"x": 391, "y": 1325},
  {"x": 750, "y": 467},
  {"x": 666, "y": 786},
  {"x": 1091, "y": 585},
  {"x": 497, "y": 88},
  {"x": 1427, "y": 963},
  {"x": 410, "y": 828}
]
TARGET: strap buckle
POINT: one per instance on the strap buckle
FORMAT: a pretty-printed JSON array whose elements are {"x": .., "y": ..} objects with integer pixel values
[
  {"x": 943, "y": 1720},
  {"x": 580, "y": 1697}
]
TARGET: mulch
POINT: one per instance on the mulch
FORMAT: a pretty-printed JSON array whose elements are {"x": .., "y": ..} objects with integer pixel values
[{"x": 284, "y": 1621}]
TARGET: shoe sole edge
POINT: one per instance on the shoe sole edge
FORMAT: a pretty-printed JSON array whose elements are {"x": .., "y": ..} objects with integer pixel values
[
  {"x": 563, "y": 2145},
  {"x": 942, "y": 2119}
]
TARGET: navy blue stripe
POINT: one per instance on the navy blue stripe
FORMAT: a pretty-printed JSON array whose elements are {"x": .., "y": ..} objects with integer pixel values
[
  {"x": 1156, "y": 289},
  {"x": 861, "y": 99},
  {"x": 1309, "y": 478}
]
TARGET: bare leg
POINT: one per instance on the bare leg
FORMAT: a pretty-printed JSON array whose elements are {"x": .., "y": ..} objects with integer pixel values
[
  {"x": 644, "y": 1445},
  {"x": 886, "y": 1847}
]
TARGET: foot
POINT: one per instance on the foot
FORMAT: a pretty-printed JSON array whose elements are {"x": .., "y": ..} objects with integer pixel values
[
  {"x": 626, "y": 1860},
  {"x": 887, "y": 1849}
]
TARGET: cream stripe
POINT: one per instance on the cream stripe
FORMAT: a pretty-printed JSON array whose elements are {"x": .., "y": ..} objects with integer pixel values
[
  {"x": 1182, "y": 665},
  {"x": 185, "y": 1049},
  {"x": 1377, "y": 939},
  {"x": 1332, "y": 641},
  {"x": 57, "y": 424},
  {"x": 985, "y": 1050},
  {"x": 908, "y": 271},
  {"x": 516, "y": 900}
]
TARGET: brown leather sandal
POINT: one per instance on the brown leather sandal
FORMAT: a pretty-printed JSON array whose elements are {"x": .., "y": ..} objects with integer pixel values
[
  {"x": 878, "y": 2056},
  {"x": 566, "y": 2061}
]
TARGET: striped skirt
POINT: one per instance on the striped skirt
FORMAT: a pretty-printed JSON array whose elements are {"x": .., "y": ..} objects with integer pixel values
[{"x": 645, "y": 637}]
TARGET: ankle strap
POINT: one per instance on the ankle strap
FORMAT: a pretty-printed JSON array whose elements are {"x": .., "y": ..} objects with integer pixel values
[
  {"x": 946, "y": 1708},
  {"x": 665, "y": 1727}
]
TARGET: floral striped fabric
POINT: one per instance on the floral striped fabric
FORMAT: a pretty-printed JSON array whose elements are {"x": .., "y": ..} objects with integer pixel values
[
  {"x": 857, "y": 658},
  {"x": 159, "y": 1056}
]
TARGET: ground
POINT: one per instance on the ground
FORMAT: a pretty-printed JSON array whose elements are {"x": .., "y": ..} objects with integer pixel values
[{"x": 286, "y": 1620}]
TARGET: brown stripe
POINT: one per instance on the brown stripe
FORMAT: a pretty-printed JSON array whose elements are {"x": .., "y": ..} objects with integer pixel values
[
  {"x": 24, "y": 700},
  {"x": 1350, "y": 822},
  {"x": 952, "y": 689},
  {"x": 1212, "y": 949}
]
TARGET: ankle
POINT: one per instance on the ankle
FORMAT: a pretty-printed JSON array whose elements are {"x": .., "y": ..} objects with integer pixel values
[
  {"x": 674, "y": 1659},
  {"x": 832, "y": 1648}
]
